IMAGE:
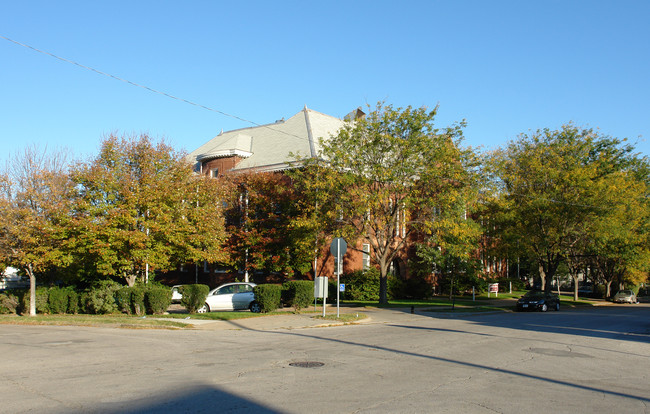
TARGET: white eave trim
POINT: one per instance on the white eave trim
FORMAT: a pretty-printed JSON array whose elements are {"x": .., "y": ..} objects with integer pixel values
[
  {"x": 271, "y": 167},
  {"x": 223, "y": 154}
]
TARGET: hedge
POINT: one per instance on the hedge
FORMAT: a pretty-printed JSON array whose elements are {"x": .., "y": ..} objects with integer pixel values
[
  {"x": 100, "y": 299},
  {"x": 138, "y": 305},
  {"x": 359, "y": 285},
  {"x": 298, "y": 293},
  {"x": 103, "y": 298},
  {"x": 9, "y": 303},
  {"x": 268, "y": 296},
  {"x": 157, "y": 299},
  {"x": 193, "y": 296},
  {"x": 63, "y": 300}
]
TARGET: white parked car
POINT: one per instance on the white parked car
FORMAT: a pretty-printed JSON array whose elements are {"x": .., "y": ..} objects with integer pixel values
[
  {"x": 231, "y": 296},
  {"x": 176, "y": 293}
]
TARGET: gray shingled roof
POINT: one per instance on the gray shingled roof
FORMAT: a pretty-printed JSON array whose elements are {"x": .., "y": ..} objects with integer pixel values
[{"x": 267, "y": 147}]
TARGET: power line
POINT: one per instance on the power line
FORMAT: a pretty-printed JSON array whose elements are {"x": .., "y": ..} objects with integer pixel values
[{"x": 147, "y": 87}]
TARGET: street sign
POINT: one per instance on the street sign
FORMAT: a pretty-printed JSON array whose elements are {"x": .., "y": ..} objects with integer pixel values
[
  {"x": 342, "y": 287},
  {"x": 338, "y": 247}
]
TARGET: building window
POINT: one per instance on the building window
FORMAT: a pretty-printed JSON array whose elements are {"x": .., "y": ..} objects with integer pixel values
[
  {"x": 206, "y": 267},
  {"x": 365, "y": 258},
  {"x": 214, "y": 173}
]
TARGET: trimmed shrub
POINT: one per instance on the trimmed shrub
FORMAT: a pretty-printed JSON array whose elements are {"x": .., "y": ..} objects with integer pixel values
[
  {"x": 268, "y": 296},
  {"x": 157, "y": 299},
  {"x": 22, "y": 301},
  {"x": 359, "y": 285},
  {"x": 123, "y": 300},
  {"x": 57, "y": 300},
  {"x": 63, "y": 300},
  {"x": 101, "y": 298},
  {"x": 8, "y": 303},
  {"x": 73, "y": 301},
  {"x": 299, "y": 293},
  {"x": 194, "y": 296},
  {"x": 138, "y": 306}
]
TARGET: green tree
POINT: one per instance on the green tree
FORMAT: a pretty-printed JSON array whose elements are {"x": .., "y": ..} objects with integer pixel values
[
  {"x": 386, "y": 175},
  {"x": 553, "y": 184},
  {"x": 140, "y": 209},
  {"x": 34, "y": 213},
  {"x": 619, "y": 243}
]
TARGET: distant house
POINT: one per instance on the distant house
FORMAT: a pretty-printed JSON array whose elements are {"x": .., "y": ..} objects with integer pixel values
[{"x": 11, "y": 279}]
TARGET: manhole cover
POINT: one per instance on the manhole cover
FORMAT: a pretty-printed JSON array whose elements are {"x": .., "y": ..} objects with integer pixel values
[{"x": 307, "y": 364}]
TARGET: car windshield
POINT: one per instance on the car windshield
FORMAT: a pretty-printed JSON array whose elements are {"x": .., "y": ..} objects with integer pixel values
[
  {"x": 534, "y": 295},
  {"x": 625, "y": 292}
]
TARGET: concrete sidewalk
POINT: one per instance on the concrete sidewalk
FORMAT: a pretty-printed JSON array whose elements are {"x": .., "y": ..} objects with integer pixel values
[{"x": 310, "y": 319}]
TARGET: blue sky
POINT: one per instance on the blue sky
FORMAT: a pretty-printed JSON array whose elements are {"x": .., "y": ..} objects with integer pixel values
[{"x": 506, "y": 67}]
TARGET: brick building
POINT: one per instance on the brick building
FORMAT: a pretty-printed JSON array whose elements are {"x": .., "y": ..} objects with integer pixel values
[{"x": 266, "y": 148}]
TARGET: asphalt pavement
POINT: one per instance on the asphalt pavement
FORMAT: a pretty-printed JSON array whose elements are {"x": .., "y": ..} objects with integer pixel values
[{"x": 577, "y": 360}]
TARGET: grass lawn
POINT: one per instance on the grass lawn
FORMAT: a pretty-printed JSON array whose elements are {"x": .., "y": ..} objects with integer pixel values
[
  {"x": 109, "y": 321},
  {"x": 343, "y": 317},
  {"x": 481, "y": 303}
]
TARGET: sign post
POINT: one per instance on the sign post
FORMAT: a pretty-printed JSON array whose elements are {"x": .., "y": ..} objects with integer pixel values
[{"x": 338, "y": 249}]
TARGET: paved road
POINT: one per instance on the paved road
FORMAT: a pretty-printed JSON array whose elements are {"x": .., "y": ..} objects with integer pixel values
[{"x": 595, "y": 360}]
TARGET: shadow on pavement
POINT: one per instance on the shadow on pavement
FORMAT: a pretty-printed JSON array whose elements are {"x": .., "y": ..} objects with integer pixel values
[
  {"x": 199, "y": 399},
  {"x": 509, "y": 321}
]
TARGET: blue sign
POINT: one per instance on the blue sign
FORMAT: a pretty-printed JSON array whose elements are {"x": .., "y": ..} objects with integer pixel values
[{"x": 342, "y": 287}]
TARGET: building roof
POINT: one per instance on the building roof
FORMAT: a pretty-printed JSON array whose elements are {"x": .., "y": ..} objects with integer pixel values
[{"x": 268, "y": 147}]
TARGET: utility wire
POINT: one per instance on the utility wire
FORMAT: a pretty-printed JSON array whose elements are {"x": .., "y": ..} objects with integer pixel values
[{"x": 148, "y": 88}]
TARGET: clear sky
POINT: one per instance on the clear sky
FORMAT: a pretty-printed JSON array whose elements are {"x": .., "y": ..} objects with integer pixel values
[{"x": 506, "y": 67}]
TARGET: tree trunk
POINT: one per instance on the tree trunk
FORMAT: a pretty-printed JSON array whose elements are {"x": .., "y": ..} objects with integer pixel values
[
  {"x": 608, "y": 292},
  {"x": 383, "y": 282},
  {"x": 575, "y": 286},
  {"x": 383, "y": 290},
  {"x": 542, "y": 275},
  {"x": 32, "y": 290},
  {"x": 130, "y": 279}
]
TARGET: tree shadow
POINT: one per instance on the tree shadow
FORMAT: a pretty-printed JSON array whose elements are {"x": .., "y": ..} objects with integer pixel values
[
  {"x": 534, "y": 324},
  {"x": 581, "y": 324},
  {"x": 198, "y": 399}
]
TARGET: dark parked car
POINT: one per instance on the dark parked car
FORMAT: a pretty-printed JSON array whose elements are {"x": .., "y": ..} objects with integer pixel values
[{"x": 536, "y": 300}]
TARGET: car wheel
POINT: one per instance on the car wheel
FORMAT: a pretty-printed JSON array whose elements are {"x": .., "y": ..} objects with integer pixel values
[
  {"x": 255, "y": 307},
  {"x": 544, "y": 307},
  {"x": 203, "y": 309},
  {"x": 557, "y": 306}
]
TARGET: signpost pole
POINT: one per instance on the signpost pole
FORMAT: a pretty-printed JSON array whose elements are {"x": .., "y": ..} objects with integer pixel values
[
  {"x": 338, "y": 275},
  {"x": 338, "y": 248},
  {"x": 324, "y": 286}
]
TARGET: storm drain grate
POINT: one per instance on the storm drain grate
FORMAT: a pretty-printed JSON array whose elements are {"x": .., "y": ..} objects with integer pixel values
[{"x": 307, "y": 364}]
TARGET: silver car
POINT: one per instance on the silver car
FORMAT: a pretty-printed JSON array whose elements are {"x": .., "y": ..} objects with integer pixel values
[
  {"x": 231, "y": 296},
  {"x": 625, "y": 296},
  {"x": 176, "y": 293}
]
